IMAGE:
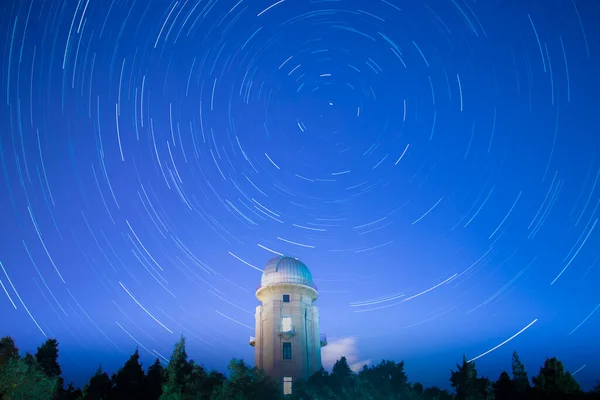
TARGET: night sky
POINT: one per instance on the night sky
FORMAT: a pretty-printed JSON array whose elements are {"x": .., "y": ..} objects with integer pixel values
[{"x": 436, "y": 164}]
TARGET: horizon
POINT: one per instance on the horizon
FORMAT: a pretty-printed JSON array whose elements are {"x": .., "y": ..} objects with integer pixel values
[
  {"x": 343, "y": 348},
  {"x": 435, "y": 166}
]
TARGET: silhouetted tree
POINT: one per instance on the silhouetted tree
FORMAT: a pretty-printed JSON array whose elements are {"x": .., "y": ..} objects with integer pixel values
[
  {"x": 434, "y": 393},
  {"x": 154, "y": 381},
  {"x": 554, "y": 383},
  {"x": 206, "y": 384},
  {"x": 418, "y": 389},
  {"x": 46, "y": 358},
  {"x": 19, "y": 380},
  {"x": 128, "y": 382},
  {"x": 71, "y": 393},
  {"x": 8, "y": 349},
  {"x": 316, "y": 387},
  {"x": 387, "y": 379},
  {"x": 99, "y": 387},
  {"x": 520, "y": 378},
  {"x": 247, "y": 383},
  {"x": 30, "y": 360},
  {"x": 341, "y": 378},
  {"x": 594, "y": 394},
  {"x": 196, "y": 380},
  {"x": 504, "y": 388},
  {"x": 177, "y": 373},
  {"x": 468, "y": 386}
]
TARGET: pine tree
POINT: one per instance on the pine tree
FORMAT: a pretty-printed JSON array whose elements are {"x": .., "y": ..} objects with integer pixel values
[
  {"x": 196, "y": 380},
  {"x": 129, "y": 380},
  {"x": 71, "y": 393},
  {"x": 99, "y": 387},
  {"x": 177, "y": 373},
  {"x": 520, "y": 378},
  {"x": 30, "y": 360},
  {"x": 8, "y": 350},
  {"x": 341, "y": 378},
  {"x": 46, "y": 357},
  {"x": 418, "y": 388},
  {"x": 553, "y": 382},
  {"x": 466, "y": 383},
  {"x": 155, "y": 379},
  {"x": 504, "y": 387}
]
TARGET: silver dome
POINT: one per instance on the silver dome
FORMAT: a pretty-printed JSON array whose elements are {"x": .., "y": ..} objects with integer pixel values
[{"x": 286, "y": 270}]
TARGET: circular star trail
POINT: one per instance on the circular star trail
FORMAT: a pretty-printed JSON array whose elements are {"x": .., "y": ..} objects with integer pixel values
[{"x": 435, "y": 164}]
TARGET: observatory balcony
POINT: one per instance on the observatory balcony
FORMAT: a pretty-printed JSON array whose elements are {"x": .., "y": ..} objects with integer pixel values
[
  {"x": 323, "y": 340},
  {"x": 286, "y": 330},
  {"x": 252, "y": 341}
]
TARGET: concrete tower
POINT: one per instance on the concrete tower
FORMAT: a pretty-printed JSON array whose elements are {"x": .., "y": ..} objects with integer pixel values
[{"x": 288, "y": 342}]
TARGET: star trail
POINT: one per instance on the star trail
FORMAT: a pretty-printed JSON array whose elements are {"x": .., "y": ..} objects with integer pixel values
[{"x": 435, "y": 164}]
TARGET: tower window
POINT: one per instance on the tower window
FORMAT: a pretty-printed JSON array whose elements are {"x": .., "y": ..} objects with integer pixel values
[
  {"x": 287, "y": 351},
  {"x": 287, "y": 385},
  {"x": 286, "y": 324},
  {"x": 286, "y": 298}
]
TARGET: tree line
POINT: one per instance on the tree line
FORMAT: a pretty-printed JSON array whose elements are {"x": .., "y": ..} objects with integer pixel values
[{"x": 39, "y": 376}]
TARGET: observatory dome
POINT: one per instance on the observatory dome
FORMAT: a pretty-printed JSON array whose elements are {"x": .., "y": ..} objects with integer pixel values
[{"x": 286, "y": 270}]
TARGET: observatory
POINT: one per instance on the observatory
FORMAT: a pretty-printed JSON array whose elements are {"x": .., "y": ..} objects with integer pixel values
[{"x": 288, "y": 342}]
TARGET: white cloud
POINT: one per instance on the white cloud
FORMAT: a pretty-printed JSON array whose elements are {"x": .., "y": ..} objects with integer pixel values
[{"x": 343, "y": 347}]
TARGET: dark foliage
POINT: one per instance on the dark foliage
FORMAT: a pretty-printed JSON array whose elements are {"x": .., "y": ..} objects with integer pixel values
[
  {"x": 47, "y": 358},
  {"x": 99, "y": 387},
  {"x": 504, "y": 387},
  {"x": 71, "y": 393},
  {"x": 8, "y": 350},
  {"x": 154, "y": 380},
  {"x": 39, "y": 377},
  {"x": 20, "y": 380},
  {"x": 128, "y": 382},
  {"x": 467, "y": 384},
  {"x": 520, "y": 379},
  {"x": 554, "y": 383},
  {"x": 246, "y": 383}
]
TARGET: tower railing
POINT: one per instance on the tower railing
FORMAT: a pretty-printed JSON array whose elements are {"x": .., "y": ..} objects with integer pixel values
[
  {"x": 287, "y": 329},
  {"x": 323, "y": 339},
  {"x": 286, "y": 281}
]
